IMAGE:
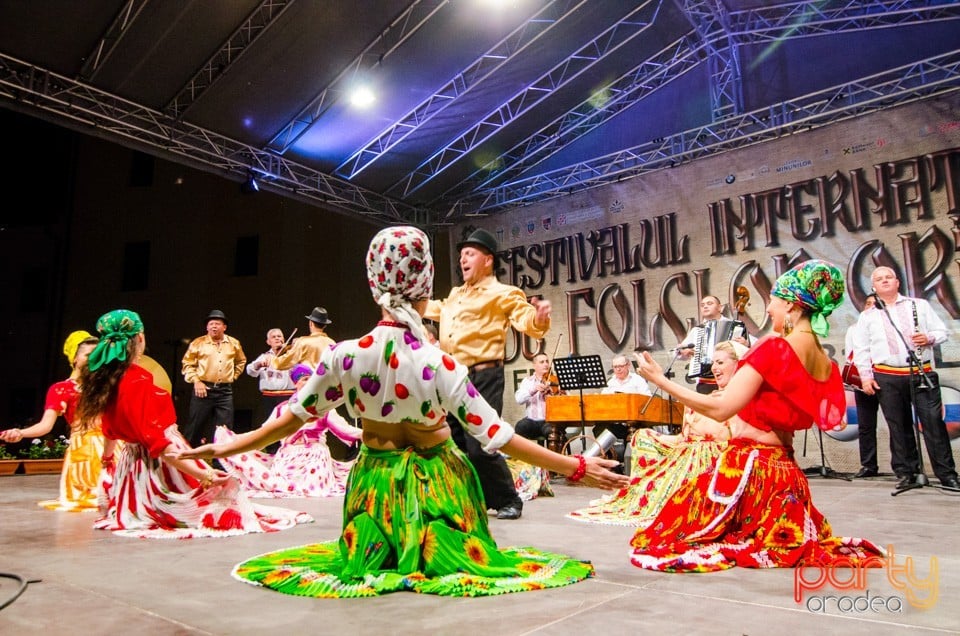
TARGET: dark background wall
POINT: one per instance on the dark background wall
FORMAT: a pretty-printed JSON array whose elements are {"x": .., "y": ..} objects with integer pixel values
[{"x": 105, "y": 227}]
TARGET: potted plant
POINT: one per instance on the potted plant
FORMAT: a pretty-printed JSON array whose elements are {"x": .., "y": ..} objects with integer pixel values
[
  {"x": 8, "y": 463},
  {"x": 45, "y": 455}
]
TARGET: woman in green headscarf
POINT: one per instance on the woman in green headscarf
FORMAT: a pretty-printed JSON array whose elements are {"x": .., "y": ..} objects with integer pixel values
[
  {"x": 81, "y": 464},
  {"x": 754, "y": 509},
  {"x": 147, "y": 493}
]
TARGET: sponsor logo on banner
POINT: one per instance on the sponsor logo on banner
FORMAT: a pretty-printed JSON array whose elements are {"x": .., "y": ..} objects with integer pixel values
[
  {"x": 546, "y": 222},
  {"x": 561, "y": 219},
  {"x": 616, "y": 207},
  {"x": 515, "y": 231},
  {"x": 531, "y": 227}
]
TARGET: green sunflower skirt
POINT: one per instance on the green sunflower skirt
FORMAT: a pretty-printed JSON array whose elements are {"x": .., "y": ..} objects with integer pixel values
[{"x": 413, "y": 520}]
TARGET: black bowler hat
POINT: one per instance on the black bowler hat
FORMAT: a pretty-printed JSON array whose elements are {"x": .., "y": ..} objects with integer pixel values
[
  {"x": 482, "y": 238},
  {"x": 216, "y": 314},
  {"x": 319, "y": 316}
]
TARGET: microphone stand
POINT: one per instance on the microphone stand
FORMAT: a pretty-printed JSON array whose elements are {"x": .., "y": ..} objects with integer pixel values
[
  {"x": 669, "y": 374},
  {"x": 916, "y": 372}
]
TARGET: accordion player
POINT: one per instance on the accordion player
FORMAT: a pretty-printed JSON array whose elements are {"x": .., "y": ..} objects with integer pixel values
[{"x": 706, "y": 338}]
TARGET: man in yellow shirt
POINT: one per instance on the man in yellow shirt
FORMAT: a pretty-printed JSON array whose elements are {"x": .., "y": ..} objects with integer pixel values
[
  {"x": 211, "y": 364},
  {"x": 474, "y": 320},
  {"x": 307, "y": 349}
]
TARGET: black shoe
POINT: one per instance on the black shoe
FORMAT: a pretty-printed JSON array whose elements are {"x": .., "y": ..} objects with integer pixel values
[
  {"x": 509, "y": 512},
  {"x": 906, "y": 481},
  {"x": 950, "y": 483},
  {"x": 866, "y": 472}
]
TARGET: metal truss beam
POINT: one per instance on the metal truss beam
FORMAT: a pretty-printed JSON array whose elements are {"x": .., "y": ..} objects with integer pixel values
[
  {"x": 923, "y": 79},
  {"x": 652, "y": 74},
  {"x": 98, "y": 113},
  {"x": 108, "y": 43},
  {"x": 638, "y": 20},
  {"x": 411, "y": 20},
  {"x": 711, "y": 22},
  {"x": 755, "y": 26},
  {"x": 259, "y": 20},
  {"x": 481, "y": 69}
]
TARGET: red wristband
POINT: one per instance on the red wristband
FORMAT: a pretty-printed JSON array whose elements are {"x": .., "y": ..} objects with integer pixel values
[{"x": 581, "y": 469}]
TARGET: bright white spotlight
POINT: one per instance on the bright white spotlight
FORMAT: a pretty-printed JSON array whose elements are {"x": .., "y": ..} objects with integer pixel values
[{"x": 361, "y": 97}]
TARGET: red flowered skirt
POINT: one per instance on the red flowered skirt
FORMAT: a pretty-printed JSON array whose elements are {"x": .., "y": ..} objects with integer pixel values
[
  {"x": 412, "y": 520},
  {"x": 753, "y": 511}
]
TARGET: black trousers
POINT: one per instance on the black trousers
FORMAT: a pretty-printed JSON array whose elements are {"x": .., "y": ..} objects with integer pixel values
[
  {"x": 207, "y": 413},
  {"x": 495, "y": 478},
  {"x": 532, "y": 429},
  {"x": 867, "y": 407},
  {"x": 895, "y": 401}
]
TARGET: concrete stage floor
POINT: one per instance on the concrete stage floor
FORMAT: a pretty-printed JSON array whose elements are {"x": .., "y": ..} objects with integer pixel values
[{"x": 91, "y": 582}]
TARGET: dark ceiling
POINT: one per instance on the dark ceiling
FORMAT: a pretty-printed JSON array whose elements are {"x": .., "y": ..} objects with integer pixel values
[{"x": 480, "y": 105}]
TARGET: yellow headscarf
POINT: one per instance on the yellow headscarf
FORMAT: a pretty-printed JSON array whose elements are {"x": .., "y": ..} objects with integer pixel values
[{"x": 72, "y": 343}]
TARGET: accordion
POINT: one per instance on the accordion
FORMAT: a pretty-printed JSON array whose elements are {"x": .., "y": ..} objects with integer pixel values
[{"x": 708, "y": 335}]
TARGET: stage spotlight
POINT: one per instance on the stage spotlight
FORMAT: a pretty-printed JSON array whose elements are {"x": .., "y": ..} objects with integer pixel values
[{"x": 250, "y": 186}]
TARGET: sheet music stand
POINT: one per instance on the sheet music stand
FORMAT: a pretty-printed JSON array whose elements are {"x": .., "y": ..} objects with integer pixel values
[{"x": 579, "y": 373}]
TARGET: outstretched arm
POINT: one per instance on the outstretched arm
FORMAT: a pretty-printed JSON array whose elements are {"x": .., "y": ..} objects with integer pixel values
[
  {"x": 273, "y": 430},
  {"x": 597, "y": 473},
  {"x": 41, "y": 428},
  {"x": 744, "y": 384}
]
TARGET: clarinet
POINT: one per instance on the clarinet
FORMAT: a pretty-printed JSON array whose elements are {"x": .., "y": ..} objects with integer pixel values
[{"x": 925, "y": 382}]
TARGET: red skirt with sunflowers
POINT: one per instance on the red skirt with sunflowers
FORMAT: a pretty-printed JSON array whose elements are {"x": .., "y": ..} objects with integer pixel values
[
  {"x": 753, "y": 511},
  {"x": 412, "y": 520}
]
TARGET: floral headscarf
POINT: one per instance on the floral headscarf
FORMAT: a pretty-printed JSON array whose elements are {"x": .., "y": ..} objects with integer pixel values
[
  {"x": 115, "y": 329},
  {"x": 400, "y": 271},
  {"x": 816, "y": 286},
  {"x": 72, "y": 343}
]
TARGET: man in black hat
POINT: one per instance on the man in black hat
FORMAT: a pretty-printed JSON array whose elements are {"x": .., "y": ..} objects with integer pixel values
[
  {"x": 211, "y": 364},
  {"x": 307, "y": 349},
  {"x": 474, "y": 320}
]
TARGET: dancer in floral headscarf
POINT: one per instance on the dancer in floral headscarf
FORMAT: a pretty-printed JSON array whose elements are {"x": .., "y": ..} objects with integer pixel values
[
  {"x": 81, "y": 464},
  {"x": 149, "y": 494},
  {"x": 414, "y": 517},
  {"x": 755, "y": 510}
]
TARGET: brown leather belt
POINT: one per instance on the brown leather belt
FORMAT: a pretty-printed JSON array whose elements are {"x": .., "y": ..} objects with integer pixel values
[{"x": 482, "y": 366}]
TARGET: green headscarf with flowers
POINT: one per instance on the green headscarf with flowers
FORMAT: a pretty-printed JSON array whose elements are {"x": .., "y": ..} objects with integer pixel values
[
  {"x": 115, "y": 329},
  {"x": 816, "y": 286}
]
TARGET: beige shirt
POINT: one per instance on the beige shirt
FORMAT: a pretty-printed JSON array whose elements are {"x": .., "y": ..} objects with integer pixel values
[
  {"x": 213, "y": 362},
  {"x": 474, "y": 320},
  {"x": 305, "y": 349}
]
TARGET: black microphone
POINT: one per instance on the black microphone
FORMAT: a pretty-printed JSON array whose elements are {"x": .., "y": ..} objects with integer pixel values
[
  {"x": 686, "y": 346},
  {"x": 876, "y": 299}
]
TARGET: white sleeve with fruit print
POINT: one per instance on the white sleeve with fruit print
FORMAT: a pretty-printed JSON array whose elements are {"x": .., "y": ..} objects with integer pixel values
[{"x": 390, "y": 376}]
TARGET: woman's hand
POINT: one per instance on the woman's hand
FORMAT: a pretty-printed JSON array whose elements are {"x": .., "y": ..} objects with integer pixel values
[
  {"x": 648, "y": 368},
  {"x": 598, "y": 476},
  {"x": 11, "y": 435}
]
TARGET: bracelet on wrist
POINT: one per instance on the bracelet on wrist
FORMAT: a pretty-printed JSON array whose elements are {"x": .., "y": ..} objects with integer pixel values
[{"x": 581, "y": 469}]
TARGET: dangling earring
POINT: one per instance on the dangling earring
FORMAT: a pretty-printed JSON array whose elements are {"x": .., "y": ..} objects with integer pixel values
[{"x": 787, "y": 325}]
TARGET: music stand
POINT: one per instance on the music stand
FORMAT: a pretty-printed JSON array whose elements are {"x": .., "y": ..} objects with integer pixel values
[{"x": 579, "y": 373}]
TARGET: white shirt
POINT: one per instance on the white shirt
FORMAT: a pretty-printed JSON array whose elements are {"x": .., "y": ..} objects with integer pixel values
[
  {"x": 535, "y": 401},
  {"x": 270, "y": 379},
  {"x": 876, "y": 342},
  {"x": 632, "y": 384}
]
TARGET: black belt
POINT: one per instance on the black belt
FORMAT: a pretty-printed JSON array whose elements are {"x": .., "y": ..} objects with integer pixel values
[
  {"x": 481, "y": 366},
  {"x": 217, "y": 385}
]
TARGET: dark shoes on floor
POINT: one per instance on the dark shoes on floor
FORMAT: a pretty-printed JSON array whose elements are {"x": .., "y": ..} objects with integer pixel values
[
  {"x": 866, "y": 472},
  {"x": 509, "y": 512},
  {"x": 950, "y": 483}
]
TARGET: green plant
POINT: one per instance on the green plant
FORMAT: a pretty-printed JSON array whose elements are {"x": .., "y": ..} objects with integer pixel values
[
  {"x": 53, "y": 448},
  {"x": 4, "y": 453}
]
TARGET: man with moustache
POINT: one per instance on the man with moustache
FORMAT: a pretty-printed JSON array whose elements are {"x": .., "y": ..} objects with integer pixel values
[{"x": 474, "y": 320}]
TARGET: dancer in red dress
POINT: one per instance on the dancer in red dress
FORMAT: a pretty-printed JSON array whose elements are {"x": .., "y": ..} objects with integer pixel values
[{"x": 755, "y": 509}]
